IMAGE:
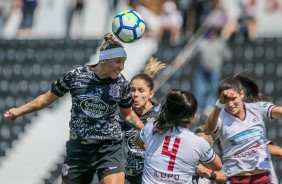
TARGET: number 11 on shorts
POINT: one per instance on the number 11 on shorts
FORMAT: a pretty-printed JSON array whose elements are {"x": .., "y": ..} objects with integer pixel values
[{"x": 171, "y": 153}]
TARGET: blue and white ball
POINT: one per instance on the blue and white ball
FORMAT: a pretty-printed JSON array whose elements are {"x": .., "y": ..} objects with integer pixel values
[{"x": 128, "y": 26}]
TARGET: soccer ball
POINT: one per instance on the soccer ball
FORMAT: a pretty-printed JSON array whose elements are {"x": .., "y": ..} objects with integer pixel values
[{"x": 128, "y": 26}]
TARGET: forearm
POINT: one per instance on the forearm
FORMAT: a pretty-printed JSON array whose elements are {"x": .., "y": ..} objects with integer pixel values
[
  {"x": 275, "y": 151},
  {"x": 134, "y": 121},
  {"x": 220, "y": 176},
  {"x": 129, "y": 116},
  {"x": 37, "y": 104},
  {"x": 277, "y": 112},
  {"x": 216, "y": 165},
  {"x": 211, "y": 122},
  {"x": 33, "y": 106}
]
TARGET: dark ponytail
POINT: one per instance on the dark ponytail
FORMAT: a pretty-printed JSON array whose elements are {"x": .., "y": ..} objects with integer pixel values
[{"x": 177, "y": 109}]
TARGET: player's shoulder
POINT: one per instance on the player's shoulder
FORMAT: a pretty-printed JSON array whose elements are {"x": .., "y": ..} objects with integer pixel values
[{"x": 258, "y": 105}]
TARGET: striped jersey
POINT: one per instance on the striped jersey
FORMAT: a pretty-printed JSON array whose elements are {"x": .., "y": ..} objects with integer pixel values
[
  {"x": 173, "y": 156},
  {"x": 243, "y": 142}
]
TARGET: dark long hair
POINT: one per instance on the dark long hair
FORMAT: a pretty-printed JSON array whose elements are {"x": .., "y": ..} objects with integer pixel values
[
  {"x": 177, "y": 109},
  {"x": 240, "y": 82}
]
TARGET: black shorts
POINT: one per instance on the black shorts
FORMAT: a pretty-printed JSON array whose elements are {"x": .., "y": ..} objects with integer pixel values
[{"x": 83, "y": 160}]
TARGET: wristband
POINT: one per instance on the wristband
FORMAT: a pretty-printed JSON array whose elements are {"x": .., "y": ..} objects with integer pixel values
[
  {"x": 219, "y": 105},
  {"x": 213, "y": 176}
]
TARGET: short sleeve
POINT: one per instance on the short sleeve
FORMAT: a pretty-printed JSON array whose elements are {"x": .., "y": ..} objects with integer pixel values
[
  {"x": 145, "y": 132},
  {"x": 266, "y": 109},
  {"x": 267, "y": 142},
  {"x": 207, "y": 154},
  {"x": 62, "y": 85}
]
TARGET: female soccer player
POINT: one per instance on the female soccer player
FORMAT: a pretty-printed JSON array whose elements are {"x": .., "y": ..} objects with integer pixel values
[
  {"x": 142, "y": 90},
  {"x": 97, "y": 91},
  {"x": 238, "y": 119},
  {"x": 172, "y": 150}
]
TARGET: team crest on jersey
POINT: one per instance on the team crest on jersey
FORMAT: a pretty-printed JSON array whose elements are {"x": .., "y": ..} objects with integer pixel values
[
  {"x": 94, "y": 107},
  {"x": 150, "y": 120},
  {"x": 114, "y": 91},
  {"x": 65, "y": 169}
]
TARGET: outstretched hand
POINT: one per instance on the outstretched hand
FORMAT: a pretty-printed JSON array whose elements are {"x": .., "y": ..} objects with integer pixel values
[{"x": 10, "y": 115}]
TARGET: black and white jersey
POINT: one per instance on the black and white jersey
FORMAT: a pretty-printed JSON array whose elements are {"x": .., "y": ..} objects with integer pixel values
[
  {"x": 94, "y": 103},
  {"x": 135, "y": 160}
]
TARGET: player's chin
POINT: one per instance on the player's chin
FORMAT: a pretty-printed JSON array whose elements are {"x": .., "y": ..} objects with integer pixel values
[{"x": 114, "y": 76}]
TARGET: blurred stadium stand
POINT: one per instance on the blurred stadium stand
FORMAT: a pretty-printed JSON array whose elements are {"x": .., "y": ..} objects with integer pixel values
[{"x": 27, "y": 69}]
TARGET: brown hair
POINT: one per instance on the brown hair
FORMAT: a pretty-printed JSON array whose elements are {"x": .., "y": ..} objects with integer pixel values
[
  {"x": 151, "y": 69},
  {"x": 240, "y": 82},
  {"x": 177, "y": 109},
  {"x": 110, "y": 42}
]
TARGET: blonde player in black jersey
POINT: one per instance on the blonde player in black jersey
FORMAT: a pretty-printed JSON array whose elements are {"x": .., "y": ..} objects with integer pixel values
[
  {"x": 97, "y": 91},
  {"x": 172, "y": 150}
]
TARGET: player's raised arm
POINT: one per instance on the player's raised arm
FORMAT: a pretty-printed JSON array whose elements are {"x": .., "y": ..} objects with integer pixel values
[
  {"x": 37, "y": 104},
  {"x": 131, "y": 118}
]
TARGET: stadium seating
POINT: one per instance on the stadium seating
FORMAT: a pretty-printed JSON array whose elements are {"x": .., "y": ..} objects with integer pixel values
[{"x": 27, "y": 68}]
